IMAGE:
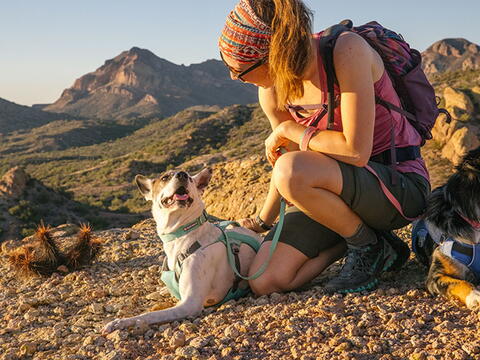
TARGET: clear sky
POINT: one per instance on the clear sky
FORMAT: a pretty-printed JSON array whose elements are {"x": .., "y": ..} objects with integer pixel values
[{"x": 46, "y": 45}]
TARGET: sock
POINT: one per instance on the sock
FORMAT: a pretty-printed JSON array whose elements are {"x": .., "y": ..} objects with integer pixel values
[{"x": 362, "y": 237}]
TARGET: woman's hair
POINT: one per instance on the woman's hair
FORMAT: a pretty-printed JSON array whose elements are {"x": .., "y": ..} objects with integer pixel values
[{"x": 290, "y": 45}]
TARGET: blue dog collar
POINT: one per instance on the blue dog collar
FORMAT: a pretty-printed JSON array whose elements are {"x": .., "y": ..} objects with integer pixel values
[{"x": 466, "y": 254}]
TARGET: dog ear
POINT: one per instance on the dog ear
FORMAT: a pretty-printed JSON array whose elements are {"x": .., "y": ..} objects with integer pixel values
[
  {"x": 145, "y": 186},
  {"x": 202, "y": 178}
]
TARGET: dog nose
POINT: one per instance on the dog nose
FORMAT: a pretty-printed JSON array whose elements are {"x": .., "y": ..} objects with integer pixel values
[{"x": 181, "y": 175}]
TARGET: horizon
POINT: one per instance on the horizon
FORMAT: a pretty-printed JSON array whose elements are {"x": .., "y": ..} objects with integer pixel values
[{"x": 56, "y": 43}]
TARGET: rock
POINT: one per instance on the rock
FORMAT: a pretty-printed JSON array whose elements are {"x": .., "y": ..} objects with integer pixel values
[
  {"x": 200, "y": 342},
  {"x": 114, "y": 355},
  {"x": 458, "y": 104},
  {"x": 418, "y": 356},
  {"x": 96, "y": 308},
  {"x": 28, "y": 349},
  {"x": 99, "y": 294},
  {"x": 11, "y": 354},
  {"x": 442, "y": 131},
  {"x": 13, "y": 183},
  {"x": 131, "y": 235},
  {"x": 178, "y": 339},
  {"x": 155, "y": 296},
  {"x": 226, "y": 351},
  {"x": 187, "y": 351},
  {"x": 462, "y": 141},
  {"x": 88, "y": 341},
  {"x": 118, "y": 335},
  {"x": 344, "y": 346},
  {"x": 231, "y": 332}
]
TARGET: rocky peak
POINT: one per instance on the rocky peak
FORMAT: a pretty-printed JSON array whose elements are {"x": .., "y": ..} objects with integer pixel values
[
  {"x": 454, "y": 47},
  {"x": 13, "y": 183},
  {"x": 138, "y": 83},
  {"x": 451, "y": 55}
]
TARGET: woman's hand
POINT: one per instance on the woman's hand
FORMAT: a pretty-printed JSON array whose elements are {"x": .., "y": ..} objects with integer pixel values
[
  {"x": 274, "y": 142},
  {"x": 252, "y": 224}
]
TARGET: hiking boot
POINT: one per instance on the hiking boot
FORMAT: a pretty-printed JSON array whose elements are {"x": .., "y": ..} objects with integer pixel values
[
  {"x": 362, "y": 267},
  {"x": 400, "y": 247}
]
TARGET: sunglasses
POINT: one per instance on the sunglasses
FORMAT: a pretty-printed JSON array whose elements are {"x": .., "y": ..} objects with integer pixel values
[{"x": 239, "y": 74}]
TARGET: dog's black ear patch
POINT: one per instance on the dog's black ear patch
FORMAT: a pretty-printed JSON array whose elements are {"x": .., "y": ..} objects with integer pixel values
[
  {"x": 144, "y": 184},
  {"x": 202, "y": 178}
]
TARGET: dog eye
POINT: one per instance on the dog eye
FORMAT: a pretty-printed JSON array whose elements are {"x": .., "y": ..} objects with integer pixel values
[{"x": 165, "y": 177}]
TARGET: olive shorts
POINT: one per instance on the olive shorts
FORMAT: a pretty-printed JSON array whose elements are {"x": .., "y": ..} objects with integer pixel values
[{"x": 362, "y": 193}]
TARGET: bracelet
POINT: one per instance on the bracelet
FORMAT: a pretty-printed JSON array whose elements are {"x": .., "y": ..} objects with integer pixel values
[
  {"x": 306, "y": 136},
  {"x": 262, "y": 223}
]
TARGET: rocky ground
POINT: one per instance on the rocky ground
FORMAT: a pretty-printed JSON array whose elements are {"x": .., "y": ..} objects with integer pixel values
[{"x": 60, "y": 317}]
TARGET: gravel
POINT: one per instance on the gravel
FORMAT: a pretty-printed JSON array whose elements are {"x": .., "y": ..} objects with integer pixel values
[{"x": 61, "y": 317}]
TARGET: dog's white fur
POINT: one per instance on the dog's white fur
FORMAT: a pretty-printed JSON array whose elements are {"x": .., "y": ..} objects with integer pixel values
[{"x": 206, "y": 275}]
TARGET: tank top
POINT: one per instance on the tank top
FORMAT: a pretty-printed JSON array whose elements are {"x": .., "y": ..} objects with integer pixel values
[{"x": 404, "y": 133}]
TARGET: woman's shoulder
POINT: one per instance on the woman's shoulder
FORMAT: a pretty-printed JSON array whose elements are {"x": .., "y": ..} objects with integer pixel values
[
  {"x": 351, "y": 50},
  {"x": 350, "y": 43}
]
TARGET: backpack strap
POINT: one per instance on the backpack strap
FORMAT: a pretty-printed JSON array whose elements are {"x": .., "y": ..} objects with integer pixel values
[
  {"x": 327, "y": 44},
  {"x": 393, "y": 200}
]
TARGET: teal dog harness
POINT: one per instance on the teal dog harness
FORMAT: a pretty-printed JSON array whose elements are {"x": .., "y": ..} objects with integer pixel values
[{"x": 232, "y": 241}]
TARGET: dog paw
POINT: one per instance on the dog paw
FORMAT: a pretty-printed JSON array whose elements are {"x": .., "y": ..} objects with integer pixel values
[
  {"x": 473, "y": 300},
  {"x": 116, "y": 324}
]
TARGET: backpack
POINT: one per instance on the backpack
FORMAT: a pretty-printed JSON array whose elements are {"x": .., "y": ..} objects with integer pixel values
[{"x": 403, "y": 65}]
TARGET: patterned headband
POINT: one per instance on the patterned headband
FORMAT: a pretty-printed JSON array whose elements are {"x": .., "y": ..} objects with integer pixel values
[{"x": 245, "y": 36}]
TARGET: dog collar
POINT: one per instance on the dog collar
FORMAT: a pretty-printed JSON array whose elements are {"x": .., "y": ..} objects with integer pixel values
[
  {"x": 184, "y": 230},
  {"x": 474, "y": 224}
]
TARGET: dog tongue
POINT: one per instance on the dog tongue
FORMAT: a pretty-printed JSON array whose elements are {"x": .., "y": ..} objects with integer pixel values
[{"x": 180, "y": 197}]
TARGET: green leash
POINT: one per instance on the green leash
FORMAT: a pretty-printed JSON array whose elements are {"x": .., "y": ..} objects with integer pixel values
[{"x": 273, "y": 246}]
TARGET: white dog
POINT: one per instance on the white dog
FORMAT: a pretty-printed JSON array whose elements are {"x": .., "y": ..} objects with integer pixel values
[{"x": 196, "y": 255}]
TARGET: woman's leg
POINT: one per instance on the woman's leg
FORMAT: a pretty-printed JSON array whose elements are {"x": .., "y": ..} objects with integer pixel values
[
  {"x": 313, "y": 182},
  {"x": 289, "y": 268}
]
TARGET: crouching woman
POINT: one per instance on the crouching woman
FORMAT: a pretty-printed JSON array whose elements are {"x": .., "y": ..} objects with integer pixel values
[{"x": 337, "y": 203}]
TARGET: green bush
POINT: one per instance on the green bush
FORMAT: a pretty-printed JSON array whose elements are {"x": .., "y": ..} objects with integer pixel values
[
  {"x": 27, "y": 232},
  {"x": 23, "y": 211}
]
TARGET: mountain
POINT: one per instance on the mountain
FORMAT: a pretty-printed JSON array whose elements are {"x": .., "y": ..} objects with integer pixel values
[
  {"x": 137, "y": 83},
  {"x": 18, "y": 117},
  {"x": 450, "y": 55}
]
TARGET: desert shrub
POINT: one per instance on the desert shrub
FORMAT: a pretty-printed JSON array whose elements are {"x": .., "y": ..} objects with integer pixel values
[
  {"x": 27, "y": 232},
  {"x": 23, "y": 211},
  {"x": 98, "y": 222}
]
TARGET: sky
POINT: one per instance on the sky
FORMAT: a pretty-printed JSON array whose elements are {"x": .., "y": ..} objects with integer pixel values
[{"x": 46, "y": 45}]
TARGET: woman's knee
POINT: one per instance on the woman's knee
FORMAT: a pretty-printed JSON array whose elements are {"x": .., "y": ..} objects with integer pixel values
[
  {"x": 291, "y": 173},
  {"x": 268, "y": 283}
]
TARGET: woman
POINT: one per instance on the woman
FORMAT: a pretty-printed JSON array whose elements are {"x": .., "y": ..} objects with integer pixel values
[{"x": 337, "y": 202}]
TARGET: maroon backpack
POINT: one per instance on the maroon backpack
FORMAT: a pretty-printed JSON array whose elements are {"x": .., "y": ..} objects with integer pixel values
[{"x": 403, "y": 64}]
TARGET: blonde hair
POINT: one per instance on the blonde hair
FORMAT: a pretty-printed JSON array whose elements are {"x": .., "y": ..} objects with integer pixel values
[{"x": 290, "y": 47}]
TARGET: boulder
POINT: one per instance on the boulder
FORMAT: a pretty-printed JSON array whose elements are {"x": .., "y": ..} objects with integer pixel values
[
  {"x": 476, "y": 95},
  {"x": 13, "y": 183},
  {"x": 458, "y": 104},
  {"x": 462, "y": 141},
  {"x": 443, "y": 131}
]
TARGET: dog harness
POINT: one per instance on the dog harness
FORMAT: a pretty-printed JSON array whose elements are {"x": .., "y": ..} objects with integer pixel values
[
  {"x": 232, "y": 241},
  {"x": 468, "y": 255}
]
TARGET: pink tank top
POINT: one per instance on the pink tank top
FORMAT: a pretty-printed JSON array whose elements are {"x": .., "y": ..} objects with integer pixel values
[{"x": 405, "y": 133}]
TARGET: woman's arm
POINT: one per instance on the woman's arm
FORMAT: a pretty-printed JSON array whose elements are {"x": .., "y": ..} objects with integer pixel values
[
  {"x": 271, "y": 206},
  {"x": 354, "y": 66}
]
